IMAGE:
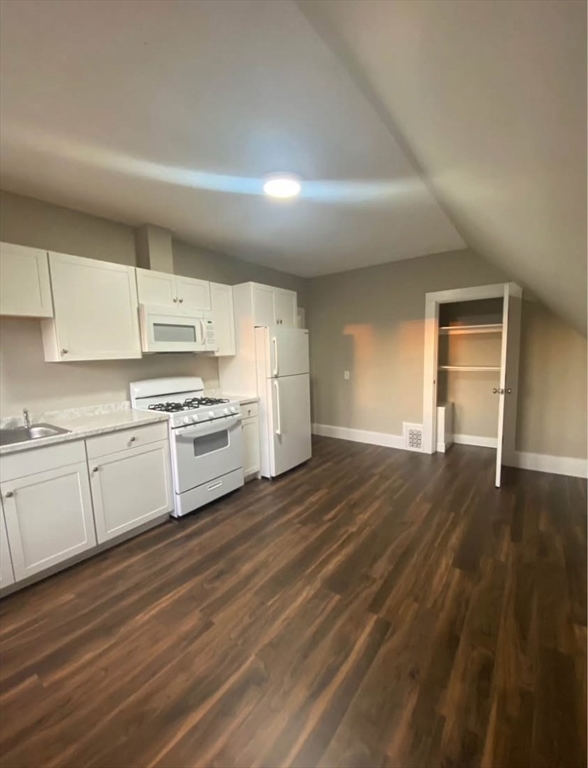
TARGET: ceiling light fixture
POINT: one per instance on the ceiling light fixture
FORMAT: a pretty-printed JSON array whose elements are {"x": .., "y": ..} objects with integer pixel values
[{"x": 282, "y": 185}]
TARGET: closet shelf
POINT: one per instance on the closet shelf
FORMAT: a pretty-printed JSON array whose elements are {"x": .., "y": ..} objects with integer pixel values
[
  {"x": 469, "y": 367},
  {"x": 461, "y": 329}
]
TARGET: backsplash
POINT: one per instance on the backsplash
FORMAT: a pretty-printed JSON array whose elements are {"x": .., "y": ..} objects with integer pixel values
[{"x": 27, "y": 381}]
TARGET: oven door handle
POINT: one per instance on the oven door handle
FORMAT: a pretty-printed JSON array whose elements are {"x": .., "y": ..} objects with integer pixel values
[{"x": 202, "y": 430}]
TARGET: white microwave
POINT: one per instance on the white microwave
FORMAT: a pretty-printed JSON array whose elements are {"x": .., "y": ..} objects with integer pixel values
[{"x": 166, "y": 329}]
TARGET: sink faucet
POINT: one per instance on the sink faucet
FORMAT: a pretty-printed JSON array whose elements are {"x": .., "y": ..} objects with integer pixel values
[{"x": 25, "y": 418}]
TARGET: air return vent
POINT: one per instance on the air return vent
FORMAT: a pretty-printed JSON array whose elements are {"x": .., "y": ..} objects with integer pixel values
[{"x": 413, "y": 436}]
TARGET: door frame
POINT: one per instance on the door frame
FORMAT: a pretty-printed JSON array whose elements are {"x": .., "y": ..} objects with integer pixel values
[{"x": 432, "y": 302}]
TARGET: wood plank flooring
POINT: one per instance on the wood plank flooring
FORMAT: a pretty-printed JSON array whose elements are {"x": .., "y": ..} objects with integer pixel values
[{"x": 372, "y": 608}]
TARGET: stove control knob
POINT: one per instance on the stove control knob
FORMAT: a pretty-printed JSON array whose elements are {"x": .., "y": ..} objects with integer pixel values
[
  {"x": 227, "y": 411},
  {"x": 194, "y": 418},
  {"x": 186, "y": 420},
  {"x": 211, "y": 414},
  {"x": 233, "y": 409}
]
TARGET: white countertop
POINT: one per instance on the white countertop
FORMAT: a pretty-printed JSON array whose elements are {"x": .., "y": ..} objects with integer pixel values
[
  {"x": 242, "y": 399},
  {"x": 84, "y": 422}
]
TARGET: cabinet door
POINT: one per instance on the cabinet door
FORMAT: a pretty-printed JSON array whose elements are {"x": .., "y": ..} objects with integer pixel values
[
  {"x": 156, "y": 288},
  {"x": 6, "y": 572},
  {"x": 130, "y": 488},
  {"x": 263, "y": 305},
  {"x": 221, "y": 297},
  {"x": 48, "y": 518},
  {"x": 193, "y": 294},
  {"x": 251, "y": 455},
  {"x": 25, "y": 290},
  {"x": 286, "y": 308},
  {"x": 96, "y": 311}
]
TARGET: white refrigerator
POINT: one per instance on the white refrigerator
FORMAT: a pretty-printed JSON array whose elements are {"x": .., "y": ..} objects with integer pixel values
[{"x": 283, "y": 386}]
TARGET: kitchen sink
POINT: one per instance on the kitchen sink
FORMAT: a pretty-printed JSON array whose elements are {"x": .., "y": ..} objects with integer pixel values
[{"x": 23, "y": 434}]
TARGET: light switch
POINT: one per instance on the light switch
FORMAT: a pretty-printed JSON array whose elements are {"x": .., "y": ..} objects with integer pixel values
[{"x": 346, "y": 375}]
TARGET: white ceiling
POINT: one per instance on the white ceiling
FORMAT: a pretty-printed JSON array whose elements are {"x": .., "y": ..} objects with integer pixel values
[
  {"x": 491, "y": 99},
  {"x": 171, "y": 113}
]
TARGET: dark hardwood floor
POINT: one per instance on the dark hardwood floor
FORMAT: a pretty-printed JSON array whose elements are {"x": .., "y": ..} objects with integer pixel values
[{"x": 372, "y": 608}]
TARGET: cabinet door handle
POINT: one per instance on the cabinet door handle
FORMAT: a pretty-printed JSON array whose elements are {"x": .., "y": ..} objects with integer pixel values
[
  {"x": 181, "y": 301},
  {"x": 509, "y": 391},
  {"x": 132, "y": 439},
  {"x": 9, "y": 495},
  {"x": 175, "y": 298},
  {"x": 95, "y": 469},
  {"x": 64, "y": 351}
]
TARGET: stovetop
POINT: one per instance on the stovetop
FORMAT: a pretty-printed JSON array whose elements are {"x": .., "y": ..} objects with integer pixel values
[
  {"x": 183, "y": 398},
  {"x": 190, "y": 404}
]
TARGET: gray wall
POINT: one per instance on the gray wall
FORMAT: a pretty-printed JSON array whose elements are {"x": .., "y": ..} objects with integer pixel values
[
  {"x": 191, "y": 261},
  {"x": 26, "y": 379},
  {"x": 371, "y": 322}
]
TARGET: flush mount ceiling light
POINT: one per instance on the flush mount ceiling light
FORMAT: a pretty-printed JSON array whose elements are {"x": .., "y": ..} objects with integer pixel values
[{"x": 282, "y": 185}]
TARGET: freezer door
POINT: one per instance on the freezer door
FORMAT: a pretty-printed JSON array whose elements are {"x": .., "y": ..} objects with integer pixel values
[
  {"x": 288, "y": 351},
  {"x": 289, "y": 440}
]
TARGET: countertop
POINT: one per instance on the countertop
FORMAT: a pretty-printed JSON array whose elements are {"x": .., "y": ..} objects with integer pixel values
[
  {"x": 242, "y": 399},
  {"x": 82, "y": 423}
]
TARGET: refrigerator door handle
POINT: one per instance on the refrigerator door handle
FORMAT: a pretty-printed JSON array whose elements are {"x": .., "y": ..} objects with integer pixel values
[
  {"x": 278, "y": 415},
  {"x": 276, "y": 363}
]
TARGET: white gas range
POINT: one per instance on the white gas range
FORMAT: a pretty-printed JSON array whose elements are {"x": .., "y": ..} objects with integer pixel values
[{"x": 205, "y": 438}]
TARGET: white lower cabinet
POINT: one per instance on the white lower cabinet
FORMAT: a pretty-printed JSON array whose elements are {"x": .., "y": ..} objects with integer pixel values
[
  {"x": 48, "y": 518},
  {"x": 130, "y": 488},
  {"x": 251, "y": 449},
  {"x": 6, "y": 572}
]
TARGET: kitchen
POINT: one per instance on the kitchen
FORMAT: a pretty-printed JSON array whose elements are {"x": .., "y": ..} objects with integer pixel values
[
  {"x": 289, "y": 470},
  {"x": 93, "y": 310}
]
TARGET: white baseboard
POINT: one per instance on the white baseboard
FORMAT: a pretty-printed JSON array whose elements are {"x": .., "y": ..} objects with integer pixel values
[
  {"x": 359, "y": 435},
  {"x": 539, "y": 462},
  {"x": 481, "y": 442},
  {"x": 557, "y": 465}
]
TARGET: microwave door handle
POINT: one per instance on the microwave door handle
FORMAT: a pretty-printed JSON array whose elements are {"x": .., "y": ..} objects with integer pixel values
[
  {"x": 276, "y": 362},
  {"x": 278, "y": 414}
]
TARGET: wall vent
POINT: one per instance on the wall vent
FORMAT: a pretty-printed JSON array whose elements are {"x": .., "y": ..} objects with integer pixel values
[{"x": 413, "y": 436}]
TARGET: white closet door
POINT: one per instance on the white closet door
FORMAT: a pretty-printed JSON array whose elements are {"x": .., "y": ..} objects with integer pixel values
[{"x": 509, "y": 376}]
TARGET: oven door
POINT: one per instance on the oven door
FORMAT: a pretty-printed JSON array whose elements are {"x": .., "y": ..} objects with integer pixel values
[
  {"x": 167, "y": 330},
  {"x": 203, "y": 452}
]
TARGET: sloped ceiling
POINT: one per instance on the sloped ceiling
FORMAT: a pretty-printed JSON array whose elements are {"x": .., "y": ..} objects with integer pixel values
[
  {"x": 171, "y": 112},
  {"x": 489, "y": 99}
]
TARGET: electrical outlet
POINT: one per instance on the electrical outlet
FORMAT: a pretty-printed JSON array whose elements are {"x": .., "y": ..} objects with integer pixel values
[{"x": 346, "y": 375}]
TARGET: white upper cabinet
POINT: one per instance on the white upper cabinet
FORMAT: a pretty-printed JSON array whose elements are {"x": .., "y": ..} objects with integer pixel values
[
  {"x": 263, "y": 305},
  {"x": 172, "y": 290},
  {"x": 274, "y": 306},
  {"x": 156, "y": 288},
  {"x": 25, "y": 289},
  {"x": 221, "y": 297},
  {"x": 286, "y": 308},
  {"x": 96, "y": 311},
  {"x": 193, "y": 294}
]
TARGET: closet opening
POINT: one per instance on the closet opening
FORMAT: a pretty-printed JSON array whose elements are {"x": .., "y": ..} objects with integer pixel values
[{"x": 472, "y": 338}]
